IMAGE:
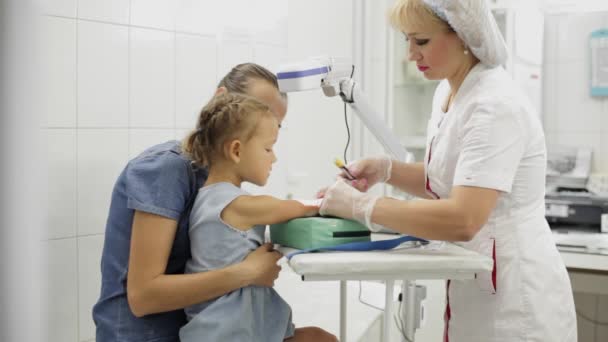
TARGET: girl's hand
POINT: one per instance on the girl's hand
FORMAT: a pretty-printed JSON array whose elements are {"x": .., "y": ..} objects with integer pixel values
[
  {"x": 312, "y": 210},
  {"x": 311, "y": 207},
  {"x": 261, "y": 266}
]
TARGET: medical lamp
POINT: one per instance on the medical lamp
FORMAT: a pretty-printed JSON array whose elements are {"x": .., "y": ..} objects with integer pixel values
[{"x": 334, "y": 76}]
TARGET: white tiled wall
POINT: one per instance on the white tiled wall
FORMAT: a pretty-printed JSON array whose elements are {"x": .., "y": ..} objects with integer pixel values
[
  {"x": 62, "y": 307},
  {"x": 59, "y": 71},
  {"x": 571, "y": 116},
  {"x": 120, "y": 76}
]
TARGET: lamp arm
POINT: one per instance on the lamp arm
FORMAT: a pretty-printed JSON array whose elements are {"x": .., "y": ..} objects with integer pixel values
[{"x": 351, "y": 93}]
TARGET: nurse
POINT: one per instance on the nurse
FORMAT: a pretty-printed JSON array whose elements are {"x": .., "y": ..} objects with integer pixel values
[{"x": 482, "y": 180}]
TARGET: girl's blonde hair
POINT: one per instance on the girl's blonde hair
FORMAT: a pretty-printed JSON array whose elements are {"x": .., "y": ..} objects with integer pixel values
[
  {"x": 227, "y": 116},
  {"x": 415, "y": 14}
]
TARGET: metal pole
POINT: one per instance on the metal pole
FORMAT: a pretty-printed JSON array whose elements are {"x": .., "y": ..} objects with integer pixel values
[
  {"x": 388, "y": 311},
  {"x": 408, "y": 311}
]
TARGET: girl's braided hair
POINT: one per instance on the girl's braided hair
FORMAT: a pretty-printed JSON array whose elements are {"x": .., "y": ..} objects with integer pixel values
[{"x": 227, "y": 116}]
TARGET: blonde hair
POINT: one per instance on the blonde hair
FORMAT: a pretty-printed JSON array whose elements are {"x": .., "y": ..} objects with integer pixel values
[
  {"x": 227, "y": 116},
  {"x": 415, "y": 14}
]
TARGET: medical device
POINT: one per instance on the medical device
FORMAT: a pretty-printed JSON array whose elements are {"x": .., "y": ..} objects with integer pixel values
[
  {"x": 334, "y": 77},
  {"x": 340, "y": 164},
  {"x": 318, "y": 232},
  {"x": 580, "y": 210}
]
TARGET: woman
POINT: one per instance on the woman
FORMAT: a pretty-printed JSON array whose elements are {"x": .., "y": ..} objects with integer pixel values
[
  {"x": 483, "y": 178},
  {"x": 144, "y": 290}
]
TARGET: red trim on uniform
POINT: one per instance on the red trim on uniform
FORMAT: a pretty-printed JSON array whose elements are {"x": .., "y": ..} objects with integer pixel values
[
  {"x": 448, "y": 313},
  {"x": 428, "y": 183},
  {"x": 494, "y": 267}
]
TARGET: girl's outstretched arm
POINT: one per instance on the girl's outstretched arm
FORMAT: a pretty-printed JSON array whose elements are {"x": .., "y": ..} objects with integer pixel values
[{"x": 247, "y": 211}]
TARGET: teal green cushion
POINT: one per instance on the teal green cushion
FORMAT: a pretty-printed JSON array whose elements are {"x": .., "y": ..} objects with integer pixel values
[{"x": 318, "y": 232}]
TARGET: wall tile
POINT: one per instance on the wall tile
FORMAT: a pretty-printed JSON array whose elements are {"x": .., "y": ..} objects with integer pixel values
[
  {"x": 592, "y": 140},
  {"x": 62, "y": 205},
  {"x": 233, "y": 52},
  {"x": 102, "y": 154},
  {"x": 550, "y": 42},
  {"x": 573, "y": 35},
  {"x": 141, "y": 139},
  {"x": 152, "y": 75},
  {"x": 551, "y": 140},
  {"x": 197, "y": 16},
  {"x": 549, "y": 94},
  {"x": 270, "y": 28},
  {"x": 59, "y": 67},
  {"x": 180, "y": 134},
  {"x": 603, "y": 159},
  {"x": 103, "y": 78},
  {"x": 196, "y": 73},
  {"x": 158, "y": 14},
  {"x": 270, "y": 56},
  {"x": 61, "y": 281},
  {"x": 578, "y": 111},
  {"x": 64, "y": 8},
  {"x": 89, "y": 282},
  {"x": 114, "y": 11}
]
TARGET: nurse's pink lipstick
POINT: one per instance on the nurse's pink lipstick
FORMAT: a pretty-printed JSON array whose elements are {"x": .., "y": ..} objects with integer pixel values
[{"x": 422, "y": 68}]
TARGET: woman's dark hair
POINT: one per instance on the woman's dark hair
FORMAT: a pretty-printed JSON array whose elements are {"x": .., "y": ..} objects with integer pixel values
[{"x": 227, "y": 116}]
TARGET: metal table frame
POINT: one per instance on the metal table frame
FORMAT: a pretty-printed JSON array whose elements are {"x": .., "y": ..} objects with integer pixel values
[{"x": 446, "y": 262}]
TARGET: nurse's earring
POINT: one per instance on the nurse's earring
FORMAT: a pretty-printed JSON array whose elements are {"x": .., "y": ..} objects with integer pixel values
[{"x": 466, "y": 52}]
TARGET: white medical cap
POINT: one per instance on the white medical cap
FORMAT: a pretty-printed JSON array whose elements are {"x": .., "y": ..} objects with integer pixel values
[{"x": 475, "y": 25}]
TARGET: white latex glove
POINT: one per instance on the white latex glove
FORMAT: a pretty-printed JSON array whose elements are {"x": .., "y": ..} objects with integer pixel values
[
  {"x": 369, "y": 172},
  {"x": 342, "y": 200}
]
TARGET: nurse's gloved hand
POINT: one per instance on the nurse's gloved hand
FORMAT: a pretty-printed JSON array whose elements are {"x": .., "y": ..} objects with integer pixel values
[
  {"x": 369, "y": 172},
  {"x": 342, "y": 200}
]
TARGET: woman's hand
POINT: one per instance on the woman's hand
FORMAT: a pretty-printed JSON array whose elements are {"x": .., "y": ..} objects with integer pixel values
[
  {"x": 342, "y": 200},
  {"x": 261, "y": 266},
  {"x": 368, "y": 172}
]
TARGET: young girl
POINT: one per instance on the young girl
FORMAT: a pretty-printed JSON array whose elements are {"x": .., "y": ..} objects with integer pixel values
[{"x": 234, "y": 138}]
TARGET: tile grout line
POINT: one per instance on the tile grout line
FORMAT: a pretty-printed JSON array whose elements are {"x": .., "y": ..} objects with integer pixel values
[
  {"x": 174, "y": 30},
  {"x": 78, "y": 313}
]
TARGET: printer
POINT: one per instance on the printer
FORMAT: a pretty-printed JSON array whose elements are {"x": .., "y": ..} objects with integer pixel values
[
  {"x": 576, "y": 209},
  {"x": 569, "y": 203}
]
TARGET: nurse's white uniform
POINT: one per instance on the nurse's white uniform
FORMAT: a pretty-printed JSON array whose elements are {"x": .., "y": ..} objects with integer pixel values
[{"x": 492, "y": 138}]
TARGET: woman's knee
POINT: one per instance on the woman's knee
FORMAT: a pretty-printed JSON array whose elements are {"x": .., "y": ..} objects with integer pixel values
[
  {"x": 324, "y": 336},
  {"x": 313, "y": 334}
]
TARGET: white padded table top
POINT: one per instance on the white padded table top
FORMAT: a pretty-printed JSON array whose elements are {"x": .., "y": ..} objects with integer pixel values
[{"x": 438, "y": 260}]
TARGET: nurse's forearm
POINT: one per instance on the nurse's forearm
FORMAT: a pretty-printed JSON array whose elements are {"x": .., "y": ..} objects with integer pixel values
[
  {"x": 168, "y": 292},
  {"x": 429, "y": 219},
  {"x": 409, "y": 177}
]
